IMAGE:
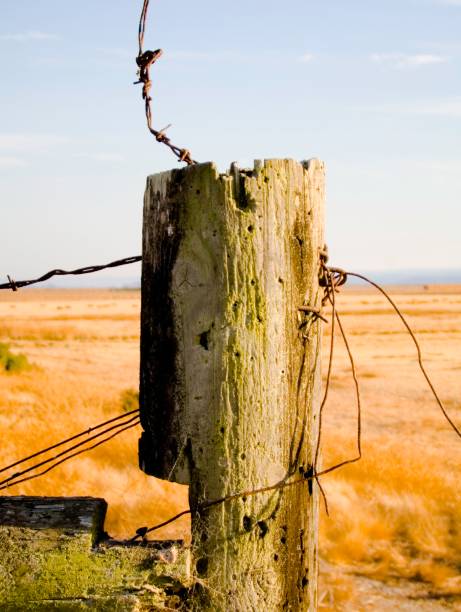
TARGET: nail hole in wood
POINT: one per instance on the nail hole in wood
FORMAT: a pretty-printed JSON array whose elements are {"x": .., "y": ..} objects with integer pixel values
[
  {"x": 204, "y": 339},
  {"x": 247, "y": 523},
  {"x": 202, "y": 566},
  {"x": 263, "y": 528}
]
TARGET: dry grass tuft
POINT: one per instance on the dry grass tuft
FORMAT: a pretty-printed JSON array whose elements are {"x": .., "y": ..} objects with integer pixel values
[
  {"x": 11, "y": 362},
  {"x": 393, "y": 518}
]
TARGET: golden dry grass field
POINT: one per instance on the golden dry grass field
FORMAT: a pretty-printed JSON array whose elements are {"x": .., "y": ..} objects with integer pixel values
[{"x": 393, "y": 539}]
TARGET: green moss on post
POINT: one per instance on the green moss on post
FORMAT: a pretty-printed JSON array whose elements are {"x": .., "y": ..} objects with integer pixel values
[{"x": 230, "y": 370}]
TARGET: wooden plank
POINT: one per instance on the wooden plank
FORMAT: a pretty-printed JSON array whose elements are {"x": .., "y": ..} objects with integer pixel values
[{"x": 75, "y": 513}]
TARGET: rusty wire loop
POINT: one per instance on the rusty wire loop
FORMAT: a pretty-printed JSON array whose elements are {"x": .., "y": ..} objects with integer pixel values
[
  {"x": 145, "y": 60},
  {"x": 15, "y": 285},
  {"x": 331, "y": 279}
]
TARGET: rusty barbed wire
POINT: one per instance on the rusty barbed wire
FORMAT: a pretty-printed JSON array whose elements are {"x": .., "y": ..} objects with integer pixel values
[
  {"x": 15, "y": 285},
  {"x": 145, "y": 60},
  {"x": 283, "y": 484}
]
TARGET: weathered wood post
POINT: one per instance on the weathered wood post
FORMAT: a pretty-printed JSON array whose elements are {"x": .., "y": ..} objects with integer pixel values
[{"x": 230, "y": 371}]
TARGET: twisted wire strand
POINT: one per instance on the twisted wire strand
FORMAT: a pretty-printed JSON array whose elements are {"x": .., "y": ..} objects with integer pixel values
[
  {"x": 142, "y": 25},
  {"x": 15, "y": 285},
  {"x": 129, "y": 419},
  {"x": 67, "y": 440},
  {"x": 341, "y": 464},
  {"x": 9, "y": 484},
  {"x": 357, "y": 390}
]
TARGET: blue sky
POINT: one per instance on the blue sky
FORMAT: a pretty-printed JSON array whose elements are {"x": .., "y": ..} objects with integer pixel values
[{"x": 371, "y": 87}]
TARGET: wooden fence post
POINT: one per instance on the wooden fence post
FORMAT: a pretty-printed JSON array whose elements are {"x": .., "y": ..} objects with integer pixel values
[{"x": 230, "y": 371}]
